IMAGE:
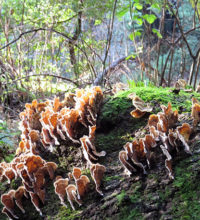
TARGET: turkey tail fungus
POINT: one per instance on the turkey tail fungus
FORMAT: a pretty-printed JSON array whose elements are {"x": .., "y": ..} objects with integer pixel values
[
  {"x": 60, "y": 186},
  {"x": 97, "y": 173},
  {"x": 195, "y": 112},
  {"x": 163, "y": 133},
  {"x": 45, "y": 127},
  {"x": 72, "y": 195},
  {"x": 141, "y": 107}
]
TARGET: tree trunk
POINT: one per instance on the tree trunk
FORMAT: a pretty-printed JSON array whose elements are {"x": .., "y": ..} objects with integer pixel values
[
  {"x": 164, "y": 68},
  {"x": 196, "y": 74},
  {"x": 72, "y": 42},
  {"x": 170, "y": 68},
  {"x": 192, "y": 68}
]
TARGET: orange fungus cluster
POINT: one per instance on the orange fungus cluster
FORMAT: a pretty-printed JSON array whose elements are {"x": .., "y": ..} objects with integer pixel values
[
  {"x": 45, "y": 126},
  {"x": 163, "y": 134}
]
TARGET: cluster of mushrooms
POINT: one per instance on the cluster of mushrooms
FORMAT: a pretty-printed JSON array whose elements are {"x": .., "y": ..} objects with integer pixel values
[
  {"x": 77, "y": 184},
  {"x": 45, "y": 126},
  {"x": 33, "y": 171},
  {"x": 164, "y": 134}
]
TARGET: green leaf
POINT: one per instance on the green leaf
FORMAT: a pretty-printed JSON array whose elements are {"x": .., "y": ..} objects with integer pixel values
[
  {"x": 131, "y": 36},
  {"x": 131, "y": 83},
  {"x": 123, "y": 12},
  {"x": 131, "y": 56},
  {"x": 137, "y": 33},
  {"x": 150, "y": 18},
  {"x": 9, "y": 158},
  {"x": 156, "y": 6},
  {"x": 138, "y": 20},
  {"x": 97, "y": 22},
  {"x": 138, "y": 6},
  {"x": 157, "y": 32}
]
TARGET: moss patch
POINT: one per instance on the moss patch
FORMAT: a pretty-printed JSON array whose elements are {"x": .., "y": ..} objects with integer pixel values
[
  {"x": 66, "y": 214},
  {"x": 185, "y": 204},
  {"x": 130, "y": 202},
  {"x": 162, "y": 96}
]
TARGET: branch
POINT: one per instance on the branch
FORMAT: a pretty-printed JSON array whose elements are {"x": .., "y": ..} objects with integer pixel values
[
  {"x": 100, "y": 77},
  {"x": 60, "y": 22},
  {"x": 111, "y": 68},
  {"x": 59, "y": 77},
  {"x": 92, "y": 50},
  {"x": 164, "y": 68},
  {"x": 179, "y": 38},
  {"x": 110, "y": 34},
  {"x": 181, "y": 30},
  {"x": 35, "y": 30}
]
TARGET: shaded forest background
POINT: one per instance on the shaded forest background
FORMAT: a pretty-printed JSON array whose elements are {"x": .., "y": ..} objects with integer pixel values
[{"x": 52, "y": 46}]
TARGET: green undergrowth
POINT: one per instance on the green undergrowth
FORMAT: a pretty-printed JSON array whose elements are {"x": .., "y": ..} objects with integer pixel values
[
  {"x": 114, "y": 108},
  {"x": 110, "y": 178}
]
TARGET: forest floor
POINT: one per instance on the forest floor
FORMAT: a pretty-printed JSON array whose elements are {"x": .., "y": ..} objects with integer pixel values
[{"x": 151, "y": 196}]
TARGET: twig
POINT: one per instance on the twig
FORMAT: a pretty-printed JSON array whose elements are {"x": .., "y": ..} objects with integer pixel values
[
  {"x": 103, "y": 74},
  {"x": 110, "y": 31},
  {"x": 181, "y": 30},
  {"x": 34, "y": 30},
  {"x": 59, "y": 77},
  {"x": 60, "y": 22}
]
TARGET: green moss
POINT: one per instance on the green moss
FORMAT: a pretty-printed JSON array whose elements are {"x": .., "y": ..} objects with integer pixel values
[
  {"x": 109, "y": 178},
  {"x": 165, "y": 194},
  {"x": 67, "y": 214},
  {"x": 116, "y": 138},
  {"x": 130, "y": 202},
  {"x": 120, "y": 197},
  {"x": 114, "y": 107},
  {"x": 69, "y": 158},
  {"x": 184, "y": 192},
  {"x": 127, "y": 214},
  {"x": 111, "y": 141},
  {"x": 86, "y": 172},
  {"x": 63, "y": 162},
  {"x": 136, "y": 195},
  {"x": 186, "y": 199},
  {"x": 161, "y": 96}
]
